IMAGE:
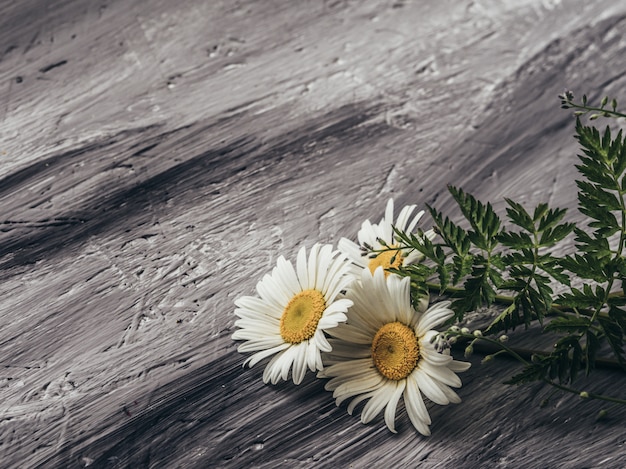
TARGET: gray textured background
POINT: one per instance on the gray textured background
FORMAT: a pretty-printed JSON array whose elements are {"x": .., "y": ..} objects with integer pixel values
[{"x": 157, "y": 157}]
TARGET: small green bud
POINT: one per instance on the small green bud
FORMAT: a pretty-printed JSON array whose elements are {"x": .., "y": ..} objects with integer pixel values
[
  {"x": 604, "y": 101},
  {"x": 468, "y": 351},
  {"x": 503, "y": 338},
  {"x": 602, "y": 414},
  {"x": 452, "y": 340},
  {"x": 584, "y": 395},
  {"x": 614, "y": 104},
  {"x": 465, "y": 330},
  {"x": 579, "y": 113},
  {"x": 487, "y": 359},
  {"x": 594, "y": 117},
  {"x": 455, "y": 329},
  {"x": 478, "y": 333}
]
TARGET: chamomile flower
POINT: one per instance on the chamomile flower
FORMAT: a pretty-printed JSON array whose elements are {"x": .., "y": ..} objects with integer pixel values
[
  {"x": 294, "y": 308},
  {"x": 370, "y": 235},
  {"x": 384, "y": 353}
]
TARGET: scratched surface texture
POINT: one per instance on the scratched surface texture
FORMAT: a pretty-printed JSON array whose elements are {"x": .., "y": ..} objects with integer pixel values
[{"x": 156, "y": 158}]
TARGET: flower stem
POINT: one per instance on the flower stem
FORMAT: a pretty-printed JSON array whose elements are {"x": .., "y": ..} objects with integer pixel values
[{"x": 588, "y": 395}]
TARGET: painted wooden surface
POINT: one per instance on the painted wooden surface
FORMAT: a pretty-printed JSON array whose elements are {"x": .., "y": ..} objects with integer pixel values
[{"x": 157, "y": 157}]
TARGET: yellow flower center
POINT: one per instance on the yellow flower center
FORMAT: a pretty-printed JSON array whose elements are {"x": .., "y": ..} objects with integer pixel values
[
  {"x": 395, "y": 350},
  {"x": 301, "y": 315},
  {"x": 386, "y": 259}
]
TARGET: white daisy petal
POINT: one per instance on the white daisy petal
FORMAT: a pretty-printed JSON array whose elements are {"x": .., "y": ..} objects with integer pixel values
[
  {"x": 259, "y": 327},
  {"x": 434, "y": 316},
  {"x": 366, "y": 383},
  {"x": 387, "y": 221},
  {"x": 458, "y": 366},
  {"x": 299, "y": 362},
  {"x": 312, "y": 265},
  {"x": 289, "y": 317},
  {"x": 416, "y": 409},
  {"x": 352, "y": 251},
  {"x": 332, "y": 320},
  {"x": 450, "y": 394},
  {"x": 252, "y": 345},
  {"x": 337, "y": 279},
  {"x": 382, "y": 353},
  {"x": 254, "y": 359},
  {"x": 313, "y": 357},
  {"x": 430, "y": 389},
  {"x": 413, "y": 224},
  {"x": 403, "y": 217},
  {"x": 288, "y": 276},
  {"x": 271, "y": 371},
  {"x": 390, "y": 410},
  {"x": 357, "y": 400},
  {"x": 322, "y": 268},
  {"x": 350, "y": 366},
  {"x": 321, "y": 342},
  {"x": 378, "y": 401},
  {"x": 432, "y": 356},
  {"x": 400, "y": 292},
  {"x": 413, "y": 400},
  {"x": 301, "y": 268},
  {"x": 256, "y": 306},
  {"x": 368, "y": 234},
  {"x": 349, "y": 350},
  {"x": 440, "y": 373},
  {"x": 270, "y": 294}
]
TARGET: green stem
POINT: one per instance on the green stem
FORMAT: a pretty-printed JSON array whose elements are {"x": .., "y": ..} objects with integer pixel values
[
  {"x": 491, "y": 347},
  {"x": 557, "y": 309},
  {"x": 518, "y": 356},
  {"x": 601, "y": 111},
  {"x": 591, "y": 395}
]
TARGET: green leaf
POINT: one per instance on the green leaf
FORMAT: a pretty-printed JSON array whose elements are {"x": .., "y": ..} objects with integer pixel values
[
  {"x": 515, "y": 240},
  {"x": 568, "y": 324},
  {"x": 531, "y": 373},
  {"x": 484, "y": 221},
  {"x": 614, "y": 335},
  {"x": 591, "y": 349},
  {"x": 551, "y": 236},
  {"x": 519, "y": 216},
  {"x": 549, "y": 218}
]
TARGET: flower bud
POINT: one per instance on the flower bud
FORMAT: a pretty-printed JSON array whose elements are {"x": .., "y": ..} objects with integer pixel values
[
  {"x": 602, "y": 414},
  {"x": 454, "y": 329},
  {"x": 487, "y": 359},
  {"x": 503, "y": 338},
  {"x": 584, "y": 395},
  {"x": 468, "y": 351},
  {"x": 478, "y": 333},
  {"x": 465, "y": 330}
]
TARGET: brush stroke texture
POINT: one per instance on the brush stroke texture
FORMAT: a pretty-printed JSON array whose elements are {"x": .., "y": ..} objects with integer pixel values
[{"x": 157, "y": 157}]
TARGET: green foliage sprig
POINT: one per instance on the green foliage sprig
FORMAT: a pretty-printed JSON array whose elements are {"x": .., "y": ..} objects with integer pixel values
[{"x": 481, "y": 261}]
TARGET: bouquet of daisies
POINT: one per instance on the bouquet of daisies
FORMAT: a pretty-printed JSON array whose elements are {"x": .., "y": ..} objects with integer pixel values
[
  {"x": 360, "y": 315},
  {"x": 349, "y": 318}
]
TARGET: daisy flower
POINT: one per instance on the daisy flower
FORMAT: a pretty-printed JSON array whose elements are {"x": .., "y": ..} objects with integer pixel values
[
  {"x": 369, "y": 234},
  {"x": 295, "y": 307},
  {"x": 384, "y": 352}
]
